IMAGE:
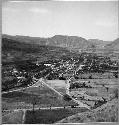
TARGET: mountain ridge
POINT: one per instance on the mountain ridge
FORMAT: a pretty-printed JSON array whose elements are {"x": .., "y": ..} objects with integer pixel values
[{"x": 70, "y": 42}]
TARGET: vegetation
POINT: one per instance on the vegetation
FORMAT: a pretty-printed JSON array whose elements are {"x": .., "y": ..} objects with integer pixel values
[
  {"x": 67, "y": 97},
  {"x": 26, "y": 59},
  {"x": 107, "y": 113},
  {"x": 49, "y": 116},
  {"x": 13, "y": 118}
]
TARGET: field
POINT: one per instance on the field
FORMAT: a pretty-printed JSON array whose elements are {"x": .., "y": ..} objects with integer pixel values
[
  {"x": 13, "y": 100},
  {"x": 106, "y": 113},
  {"x": 49, "y": 116},
  {"x": 43, "y": 96},
  {"x": 13, "y": 118},
  {"x": 102, "y": 81},
  {"x": 101, "y": 90},
  {"x": 58, "y": 85}
]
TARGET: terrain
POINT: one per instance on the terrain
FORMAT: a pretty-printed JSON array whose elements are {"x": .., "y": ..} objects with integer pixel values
[
  {"x": 63, "y": 77},
  {"x": 69, "y": 42},
  {"x": 113, "y": 45}
]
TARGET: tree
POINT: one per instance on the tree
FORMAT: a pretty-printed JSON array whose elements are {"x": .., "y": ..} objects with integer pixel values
[
  {"x": 66, "y": 97},
  {"x": 107, "y": 88},
  {"x": 115, "y": 74}
]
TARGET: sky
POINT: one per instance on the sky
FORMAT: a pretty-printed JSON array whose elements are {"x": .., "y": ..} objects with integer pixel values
[{"x": 87, "y": 19}]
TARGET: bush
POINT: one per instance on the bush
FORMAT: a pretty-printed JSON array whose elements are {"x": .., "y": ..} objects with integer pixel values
[{"x": 67, "y": 97}]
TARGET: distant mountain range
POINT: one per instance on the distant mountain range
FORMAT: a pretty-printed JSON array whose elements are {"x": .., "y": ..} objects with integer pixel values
[
  {"x": 69, "y": 42},
  {"x": 19, "y": 49}
]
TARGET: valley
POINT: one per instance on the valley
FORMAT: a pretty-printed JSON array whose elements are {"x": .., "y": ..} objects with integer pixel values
[{"x": 57, "y": 78}]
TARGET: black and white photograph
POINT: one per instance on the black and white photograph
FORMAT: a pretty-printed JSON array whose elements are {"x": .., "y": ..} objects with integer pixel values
[{"x": 59, "y": 62}]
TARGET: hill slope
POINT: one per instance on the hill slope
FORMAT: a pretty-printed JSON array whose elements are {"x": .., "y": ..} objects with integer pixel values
[
  {"x": 13, "y": 50},
  {"x": 63, "y": 41},
  {"x": 98, "y": 43},
  {"x": 106, "y": 113},
  {"x": 57, "y": 40},
  {"x": 113, "y": 45}
]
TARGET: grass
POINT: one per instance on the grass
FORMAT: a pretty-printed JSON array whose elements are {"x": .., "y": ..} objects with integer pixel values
[
  {"x": 58, "y": 85},
  {"x": 49, "y": 116},
  {"x": 98, "y": 91},
  {"x": 108, "y": 113},
  {"x": 13, "y": 118},
  {"x": 15, "y": 94},
  {"x": 45, "y": 98},
  {"x": 5, "y": 112},
  {"x": 61, "y": 90}
]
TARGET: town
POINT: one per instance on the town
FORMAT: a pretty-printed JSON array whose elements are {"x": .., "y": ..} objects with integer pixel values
[
  {"x": 86, "y": 66},
  {"x": 59, "y": 62}
]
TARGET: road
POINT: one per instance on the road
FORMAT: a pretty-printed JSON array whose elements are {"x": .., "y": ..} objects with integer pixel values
[
  {"x": 45, "y": 108},
  {"x": 76, "y": 101},
  {"x": 30, "y": 109},
  {"x": 17, "y": 89},
  {"x": 41, "y": 81},
  {"x": 22, "y": 88}
]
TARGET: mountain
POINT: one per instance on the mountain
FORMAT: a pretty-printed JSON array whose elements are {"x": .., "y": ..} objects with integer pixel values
[
  {"x": 68, "y": 42},
  {"x": 113, "y": 45},
  {"x": 17, "y": 50},
  {"x": 98, "y": 43},
  {"x": 26, "y": 39},
  {"x": 57, "y": 40}
]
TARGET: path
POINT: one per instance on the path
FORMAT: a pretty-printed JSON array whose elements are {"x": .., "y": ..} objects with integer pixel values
[
  {"x": 41, "y": 81},
  {"x": 76, "y": 101},
  {"x": 23, "y": 117},
  {"x": 45, "y": 108}
]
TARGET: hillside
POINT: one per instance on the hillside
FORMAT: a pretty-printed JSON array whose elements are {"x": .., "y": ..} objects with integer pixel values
[
  {"x": 57, "y": 40},
  {"x": 113, "y": 45},
  {"x": 68, "y": 41},
  {"x": 53, "y": 47},
  {"x": 98, "y": 43},
  {"x": 106, "y": 113},
  {"x": 14, "y": 50}
]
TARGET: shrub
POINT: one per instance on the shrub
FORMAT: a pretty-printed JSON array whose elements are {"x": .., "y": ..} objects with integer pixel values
[{"x": 67, "y": 97}]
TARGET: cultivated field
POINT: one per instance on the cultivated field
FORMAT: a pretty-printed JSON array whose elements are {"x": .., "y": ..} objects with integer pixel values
[
  {"x": 43, "y": 96},
  {"x": 96, "y": 90},
  {"x": 59, "y": 85},
  {"x": 106, "y": 113},
  {"x": 50, "y": 116},
  {"x": 13, "y": 118}
]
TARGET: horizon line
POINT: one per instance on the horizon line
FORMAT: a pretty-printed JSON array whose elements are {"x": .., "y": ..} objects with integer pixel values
[{"x": 57, "y": 35}]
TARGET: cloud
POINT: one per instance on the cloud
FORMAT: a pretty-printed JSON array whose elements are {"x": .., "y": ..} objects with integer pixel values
[{"x": 39, "y": 10}]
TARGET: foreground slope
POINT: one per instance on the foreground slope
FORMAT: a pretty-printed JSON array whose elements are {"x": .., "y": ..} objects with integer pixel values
[{"x": 106, "y": 113}]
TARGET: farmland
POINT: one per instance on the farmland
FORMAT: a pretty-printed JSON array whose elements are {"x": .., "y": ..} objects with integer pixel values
[
  {"x": 106, "y": 113},
  {"x": 59, "y": 85},
  {"x": 43, "y": 96},
  {"x": 53, "y": 89},
  {"x": 94, "y": 92},
  {"x": 49, "y": 116},
  {"x": 15, "y": 117}
]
